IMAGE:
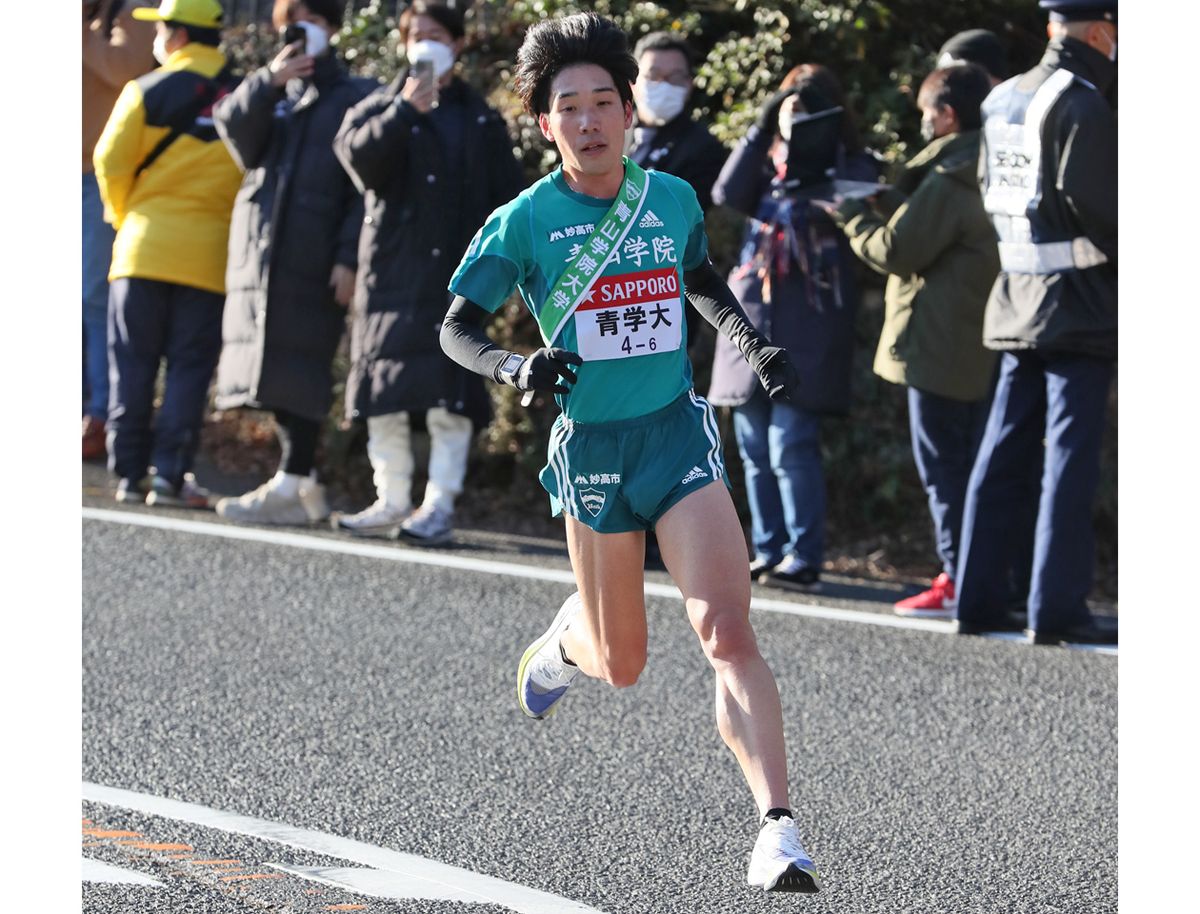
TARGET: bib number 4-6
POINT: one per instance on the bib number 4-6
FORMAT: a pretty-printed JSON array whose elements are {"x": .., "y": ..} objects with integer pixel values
[{"x": 631, "y": 315}]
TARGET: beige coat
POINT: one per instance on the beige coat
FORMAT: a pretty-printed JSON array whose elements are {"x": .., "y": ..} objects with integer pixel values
[{"x": 110, "y": 61}]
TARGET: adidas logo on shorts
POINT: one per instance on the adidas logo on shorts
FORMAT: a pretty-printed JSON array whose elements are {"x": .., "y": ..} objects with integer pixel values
[
  {"x": 693, "y": 474},
  {"x": 650, "y": 220}
]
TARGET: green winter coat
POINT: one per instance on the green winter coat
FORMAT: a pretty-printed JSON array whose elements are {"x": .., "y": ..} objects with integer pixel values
[{"x": 939, "y": 251}]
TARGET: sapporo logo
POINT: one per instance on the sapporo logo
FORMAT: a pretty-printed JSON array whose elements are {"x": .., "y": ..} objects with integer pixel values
[{"x": 592, "y": 500}]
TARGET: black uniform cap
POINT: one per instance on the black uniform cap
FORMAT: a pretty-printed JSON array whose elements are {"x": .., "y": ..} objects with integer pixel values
[
  {"x": 978, "y": 46},
  {"x": 1080, "y": 10}
]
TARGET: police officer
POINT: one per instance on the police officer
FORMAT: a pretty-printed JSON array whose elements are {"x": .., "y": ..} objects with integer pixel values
[{"x": 1048, "y": 173}]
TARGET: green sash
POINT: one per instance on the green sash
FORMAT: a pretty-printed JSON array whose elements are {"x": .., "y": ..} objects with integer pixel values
[{"x": 595, "y": 253}]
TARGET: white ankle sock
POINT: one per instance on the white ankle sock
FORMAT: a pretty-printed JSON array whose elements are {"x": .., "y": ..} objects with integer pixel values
[{"x": 287, "y": 484}]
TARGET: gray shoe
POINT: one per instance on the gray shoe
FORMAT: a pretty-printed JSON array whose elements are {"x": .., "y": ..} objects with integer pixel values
[
  {"x": 266, "y": 505},
  {"x": 381, "y": 519},
  {"x": 429, "y": 524},
  {"x": 132, "y": 491},
  {"x": 190, "y": 494}
]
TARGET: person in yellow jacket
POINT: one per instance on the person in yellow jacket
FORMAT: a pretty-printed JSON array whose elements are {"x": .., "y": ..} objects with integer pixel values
[{"x": 168, "y": 185}]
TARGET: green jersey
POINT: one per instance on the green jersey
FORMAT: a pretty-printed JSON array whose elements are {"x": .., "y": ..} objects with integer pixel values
[{"x": 629, "y": 328}]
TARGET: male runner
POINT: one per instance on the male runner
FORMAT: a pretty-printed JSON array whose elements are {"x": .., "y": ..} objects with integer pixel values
[{"x": 602, "y": 252}]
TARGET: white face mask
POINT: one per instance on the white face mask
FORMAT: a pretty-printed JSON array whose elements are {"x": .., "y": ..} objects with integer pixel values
[
  {"x": 441, "y": 55},
  {"x": 316, "y": 38},
  {"x": 159, "y": 48},
  {"x": 660, "y": 102},
  {"x": 786, "y": 114}
]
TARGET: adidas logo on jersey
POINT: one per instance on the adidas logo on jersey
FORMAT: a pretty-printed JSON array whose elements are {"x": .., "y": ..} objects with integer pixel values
[
  {"x": 693, "y": 474},
  {"x": 650, "y": 220}
]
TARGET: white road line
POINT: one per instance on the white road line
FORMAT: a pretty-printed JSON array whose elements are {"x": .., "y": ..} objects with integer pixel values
[
  {"x": 485, "y": 566},
  {"x": 95, "y": 871},
  {"x": 407, "y": 872},
  {"x": 378, "y": 884}
]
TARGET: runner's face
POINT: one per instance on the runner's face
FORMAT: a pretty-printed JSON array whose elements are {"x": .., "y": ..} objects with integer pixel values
[{"x": 587, "y": 120}]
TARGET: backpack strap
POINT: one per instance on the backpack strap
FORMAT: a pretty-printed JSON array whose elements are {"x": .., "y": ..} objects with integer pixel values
[{"x": 186, "y": 117}]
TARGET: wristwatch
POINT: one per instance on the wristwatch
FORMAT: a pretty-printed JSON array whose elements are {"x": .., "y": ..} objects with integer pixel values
[{"x": 510, "y": 368}]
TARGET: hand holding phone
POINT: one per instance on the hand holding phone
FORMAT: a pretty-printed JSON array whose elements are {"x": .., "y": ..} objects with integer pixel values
[
  {"x": 420, "y": 89},
  {"x": 293, "y": 60}
]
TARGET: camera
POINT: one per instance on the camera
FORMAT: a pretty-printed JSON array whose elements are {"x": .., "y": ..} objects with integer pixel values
[
  {"x": 813, "y": 147},
  {"x": 812, "y": 161},
  {"x": 296, "y": 33}
]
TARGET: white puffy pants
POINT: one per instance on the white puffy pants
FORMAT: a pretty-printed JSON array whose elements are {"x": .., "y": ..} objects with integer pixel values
[{"x": 389, "y": 447}]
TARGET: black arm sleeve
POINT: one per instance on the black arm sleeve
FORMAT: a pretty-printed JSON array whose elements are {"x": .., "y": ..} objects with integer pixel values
[
  {"x": 465, "y": 341},
  {"x": 711, "y": 297}
]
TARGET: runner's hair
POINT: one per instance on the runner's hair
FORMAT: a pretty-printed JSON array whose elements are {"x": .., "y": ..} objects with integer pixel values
[{"x": 555, "y": 44}]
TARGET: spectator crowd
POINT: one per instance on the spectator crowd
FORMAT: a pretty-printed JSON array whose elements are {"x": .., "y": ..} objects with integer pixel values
[{"x": 236, "y": 226}]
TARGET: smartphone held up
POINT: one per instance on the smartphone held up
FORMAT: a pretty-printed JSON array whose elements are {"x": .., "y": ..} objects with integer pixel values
[
  {"x": 311, "y": 38},
  {"x": 295, "y": 34},
  {"x": 423, "y": 71}
]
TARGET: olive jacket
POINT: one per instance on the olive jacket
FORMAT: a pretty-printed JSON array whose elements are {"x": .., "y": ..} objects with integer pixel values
[{"x": 938, "y": 249}]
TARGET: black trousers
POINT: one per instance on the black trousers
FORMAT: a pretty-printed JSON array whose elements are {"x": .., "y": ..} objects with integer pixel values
[
  {"x": 149, "y": 321},
  {"x": 1058, "y": 399},
  {"x": 297, "y": 441}
]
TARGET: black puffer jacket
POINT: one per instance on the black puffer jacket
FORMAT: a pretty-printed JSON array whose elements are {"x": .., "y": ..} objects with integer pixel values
[
  {"x": 430, "y": 181},
  {"x": 296, "y": 215},
  {"x": 684, "y": 148}
]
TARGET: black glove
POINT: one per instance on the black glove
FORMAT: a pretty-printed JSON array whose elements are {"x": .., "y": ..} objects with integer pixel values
[
  {"x": 768, "y": 120},
  {"x": 776, "y": 373},
  {"x": 543, "y": 369}
]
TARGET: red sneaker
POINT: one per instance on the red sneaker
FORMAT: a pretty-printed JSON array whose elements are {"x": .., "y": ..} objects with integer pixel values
[{"x": 935, "y": 603}]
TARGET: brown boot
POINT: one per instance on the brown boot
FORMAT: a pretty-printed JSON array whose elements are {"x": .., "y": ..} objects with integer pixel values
[{"x": 93, "y": 438}]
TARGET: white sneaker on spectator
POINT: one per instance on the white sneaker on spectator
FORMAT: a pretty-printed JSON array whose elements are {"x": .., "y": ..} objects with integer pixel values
[
  {"x": 429, "y": 524},
  {"x": 268, "y": 505},
  {"x": 380, "y": 519}
]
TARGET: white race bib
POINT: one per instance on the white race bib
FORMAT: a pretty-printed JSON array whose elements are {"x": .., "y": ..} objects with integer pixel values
[{"x": 630, "y": 315}]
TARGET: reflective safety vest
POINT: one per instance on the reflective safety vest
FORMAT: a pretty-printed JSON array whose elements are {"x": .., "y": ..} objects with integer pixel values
[{"x": 1012, "y": 180}]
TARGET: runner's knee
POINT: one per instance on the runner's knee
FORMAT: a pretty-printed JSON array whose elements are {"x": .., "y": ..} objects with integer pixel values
[{"x": 727, "y": 636}]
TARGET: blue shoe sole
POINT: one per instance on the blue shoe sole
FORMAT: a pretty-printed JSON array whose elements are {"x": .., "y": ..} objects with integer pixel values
[{"x": 526, "y": 657}]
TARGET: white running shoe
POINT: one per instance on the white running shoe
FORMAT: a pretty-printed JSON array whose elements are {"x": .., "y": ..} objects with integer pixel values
[
  {"x": 429, "y": 524},
  {"x": 779, "y": 862},
  {"x": 380, "y": 519},
  {"x": 542, "y": 676},
  {"x": 267, "y": 505}
]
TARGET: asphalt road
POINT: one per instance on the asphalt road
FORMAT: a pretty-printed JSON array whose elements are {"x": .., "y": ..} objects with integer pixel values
[{"x": 373, "y": 700}]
